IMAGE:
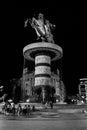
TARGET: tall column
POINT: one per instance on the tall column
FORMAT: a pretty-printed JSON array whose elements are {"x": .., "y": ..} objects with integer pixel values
[{"x": 42, "y": 72}]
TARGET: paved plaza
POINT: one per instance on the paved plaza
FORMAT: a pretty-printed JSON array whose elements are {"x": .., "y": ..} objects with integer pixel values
[
  {"x": 45, "y": 124},
  {"x": 61, "y": 117},
  {"x": 48, "y": 121}
]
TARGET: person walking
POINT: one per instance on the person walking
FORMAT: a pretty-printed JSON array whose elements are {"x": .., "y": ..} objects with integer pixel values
[
  {"x": 19, "y": 110},
  {"x": 13, "y": 109},
  {"x": 28, "y": 110},
  {"x": 51, "y": 104},
  {"x": 46, "y": 105}
]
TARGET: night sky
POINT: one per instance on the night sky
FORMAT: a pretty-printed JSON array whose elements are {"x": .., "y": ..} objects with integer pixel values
[{"x": 70, "y": 34}]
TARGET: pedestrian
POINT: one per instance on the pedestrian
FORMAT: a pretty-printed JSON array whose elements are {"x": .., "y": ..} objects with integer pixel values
[
  {"x": 13, "y": 109},
  {"x": 4, "y": 108},
  {"x": 19, "y": 110},
  {"x": 28, "y": 110},
  {"x": 33, "y": 108},
  {"x": 51, "y": 104},
  {"x": 46, "y": 105},
  {"x": 25, "y": 110}
]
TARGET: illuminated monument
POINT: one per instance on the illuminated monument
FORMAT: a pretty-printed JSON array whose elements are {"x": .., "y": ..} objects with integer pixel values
[{"x": 42, "y": 53}]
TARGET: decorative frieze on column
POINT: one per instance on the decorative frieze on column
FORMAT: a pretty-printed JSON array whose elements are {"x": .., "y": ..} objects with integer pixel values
[{"x": 42, "y": 70}]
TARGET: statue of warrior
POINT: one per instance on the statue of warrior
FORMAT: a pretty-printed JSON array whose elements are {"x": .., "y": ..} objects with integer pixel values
[
  {"x": 48, "y": 27},
  {"x": 42, "y": 28}
]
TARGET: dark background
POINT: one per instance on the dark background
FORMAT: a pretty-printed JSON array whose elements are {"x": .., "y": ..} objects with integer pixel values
[{"x": 70, "y": 34}]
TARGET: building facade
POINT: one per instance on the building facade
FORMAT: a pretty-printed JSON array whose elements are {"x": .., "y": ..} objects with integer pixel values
[{"x": 83, "y": 89}]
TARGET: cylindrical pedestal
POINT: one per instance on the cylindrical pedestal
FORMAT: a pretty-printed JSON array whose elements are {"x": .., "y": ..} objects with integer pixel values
[{"x": 42, "y": 72}]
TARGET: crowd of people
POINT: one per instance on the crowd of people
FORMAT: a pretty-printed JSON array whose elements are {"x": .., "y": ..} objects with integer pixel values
[
  {"x": 12, "y": 109},
  {"x": 22, "y": 110}
]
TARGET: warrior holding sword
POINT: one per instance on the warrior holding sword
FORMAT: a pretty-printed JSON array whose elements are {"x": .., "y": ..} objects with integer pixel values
[{"x": 42, "y": 28}]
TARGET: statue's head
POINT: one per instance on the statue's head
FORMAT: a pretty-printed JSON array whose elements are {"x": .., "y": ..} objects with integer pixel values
[{"x": 41, "y": 16}]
